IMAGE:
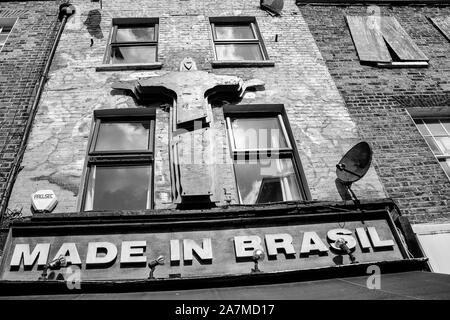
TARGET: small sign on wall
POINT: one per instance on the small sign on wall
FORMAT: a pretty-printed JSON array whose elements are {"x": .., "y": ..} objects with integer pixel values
[{"x": 44, "y": 200}]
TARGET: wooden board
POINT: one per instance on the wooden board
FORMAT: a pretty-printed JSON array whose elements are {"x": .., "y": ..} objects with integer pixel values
[
  {"x": 195, "y": 163},
  {"x": 222, "y": 236},
  {"x": 367, "y": 38},
  {"x": 443, "y": 24},
  {"x": 400, "y": 41},
  {"x": 191, "y": 106}
]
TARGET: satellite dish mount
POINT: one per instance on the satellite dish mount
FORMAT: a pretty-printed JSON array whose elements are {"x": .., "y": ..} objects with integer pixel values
[{"x": 352, "y": 167}]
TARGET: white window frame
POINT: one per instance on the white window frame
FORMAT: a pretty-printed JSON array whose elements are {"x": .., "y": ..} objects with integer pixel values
[
  {"x": 10, "y": 22},
  {"x": 440, "y": 157},
  {"x": 289, "y": 152},
  {"x": 118, "y": 157},
  {"x": 236, "y": 21},
  {"x": 437, "y": 232}
]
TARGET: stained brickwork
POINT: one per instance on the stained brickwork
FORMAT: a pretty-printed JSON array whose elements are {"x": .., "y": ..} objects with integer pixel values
[
  {"x": 377, "y": 100},
  {"x": 21, "y": 62}
]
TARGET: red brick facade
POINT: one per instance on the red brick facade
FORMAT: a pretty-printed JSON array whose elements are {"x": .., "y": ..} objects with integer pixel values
[
  {"x": 377, "y": 99},
  {"x": 22, "y": 60}
]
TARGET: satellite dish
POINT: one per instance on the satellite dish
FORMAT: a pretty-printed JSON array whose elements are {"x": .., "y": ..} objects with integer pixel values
[
  {"x": 352, "y": 167},
  {"x": 355, "y": 163},
  {"x": 274, "y": 6}
]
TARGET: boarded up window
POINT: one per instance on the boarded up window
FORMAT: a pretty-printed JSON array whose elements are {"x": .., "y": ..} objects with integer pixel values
[
  {"x": 382, "y": 40},
  {"x": 443, "y": 24},
  {"x": 193, "y": 166}
]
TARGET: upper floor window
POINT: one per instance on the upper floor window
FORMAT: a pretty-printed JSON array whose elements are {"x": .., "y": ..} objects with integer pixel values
[
  {"x": 266, "y": 166},
  {"x": 6, "y": 25},
  {"x": 443, "y": 24},
  {"x": 119, "y": 166},
  {"x": 437, "y": 134},
  {"x": 382, "y": 40},
  {"x": 237, "y": 38},
  {"x": 133, "y": 40}
]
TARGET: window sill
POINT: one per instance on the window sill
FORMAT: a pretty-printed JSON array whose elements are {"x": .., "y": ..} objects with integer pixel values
[
  {"x": 242, "y": 63},
  {"x": 129, "y": 66},
  {"x": 413, "y": 64}
]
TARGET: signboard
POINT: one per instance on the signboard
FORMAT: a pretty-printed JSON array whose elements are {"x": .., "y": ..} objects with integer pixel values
[{"x": 202, "y": 249}]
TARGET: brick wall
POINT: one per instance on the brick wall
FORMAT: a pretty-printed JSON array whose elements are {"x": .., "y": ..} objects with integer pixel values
[
  {"x": 377, "y": 100},
  {"x": 21, "y": 62},
  {"x": 322, "y": 127}
]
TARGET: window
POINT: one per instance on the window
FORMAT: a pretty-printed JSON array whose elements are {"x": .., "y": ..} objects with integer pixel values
[
  {"x": 265, "y": 163},
  {"x": 119, "y": 169},
  {"x": 6, "y": 25},
  {"x": 133, "y": 41},
  {"x": 437, "y": 134},
  {"x": 443, "y": 24},
  {"x": 435, "y": 242},
  {"x": 382, "y": 40},
  {"x": 237, "y": 39}
]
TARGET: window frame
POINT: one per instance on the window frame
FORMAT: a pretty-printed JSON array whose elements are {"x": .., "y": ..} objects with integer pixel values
[
  {"x": 437, "y": 231},
  {"x": 9, "y": 22},
  {"x": 440, "y": 157},
  {"x": 131, "y": 22},
  {"x": 291, "y": 152},
  {"x": 119, "y": 157},
  {"x": 239, "y": 20}
]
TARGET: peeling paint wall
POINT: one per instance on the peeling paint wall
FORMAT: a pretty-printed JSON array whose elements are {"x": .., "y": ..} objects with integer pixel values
[{"x": 321, "y": 125}]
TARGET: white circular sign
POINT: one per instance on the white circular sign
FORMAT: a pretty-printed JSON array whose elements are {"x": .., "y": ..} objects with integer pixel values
[{"x": 44, "y": 200}]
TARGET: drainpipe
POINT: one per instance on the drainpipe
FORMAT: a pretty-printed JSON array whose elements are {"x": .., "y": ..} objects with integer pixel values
[{"x": 65, "y": 11}]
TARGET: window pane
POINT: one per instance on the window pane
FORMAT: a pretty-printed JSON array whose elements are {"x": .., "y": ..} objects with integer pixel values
[
  {"x": 266, "y": 180},
  {"x": 422, "y": 128},
  {"x": 6, "y": 29},
  {"x": 133, "y": 54},
  {"x": 238, "y": 52},
  {"x": 123, "y": 136},
  {"x": 258, "y": 133},
  {"x": 116, "y": 188},
  {"x": 234, "y": 32},
  {"x": 444, "y": 144},
  {"x": 437, "y": 249},
  {"x": 435, "y": 127},
  {"x": 433, "y": 145},
  {"x": 446, "y": 124},
  {"x": 135, "y": 34},
  {"x": 446, "y": 166}
]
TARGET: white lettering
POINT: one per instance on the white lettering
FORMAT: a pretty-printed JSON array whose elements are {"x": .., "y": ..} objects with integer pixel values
[
  {"x": 175, "y": 251},
  {"x": 280, "y": 241},
  {"x": 245, "y": 245},
  {"x": 92, "y": 257},
  {"x": 311, "y": 242},
  {"x": 204, "y": 252},
  {"x": 334, "y": 234},
  {"x": 71, "y": 248},
  {"x": 377, "y": 243},
  {"x": 363, "y": 238},
  {"x": 133, "y": 252},
  {"x": 22, "y": 251}
]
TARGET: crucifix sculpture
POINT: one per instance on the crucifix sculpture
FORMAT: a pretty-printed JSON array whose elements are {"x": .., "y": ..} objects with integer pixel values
[{"x": 190, "y": 89}]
